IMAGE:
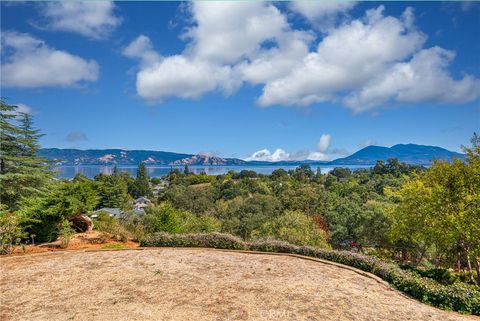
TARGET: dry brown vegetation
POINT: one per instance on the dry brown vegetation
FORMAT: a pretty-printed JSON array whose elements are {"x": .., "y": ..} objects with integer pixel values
[
  {"x": 195, "y": 284},
  {"x": 79, "y": 241}
]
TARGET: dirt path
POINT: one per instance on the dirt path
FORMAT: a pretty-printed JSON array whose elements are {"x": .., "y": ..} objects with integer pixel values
[{"x": 189, "y": 284}]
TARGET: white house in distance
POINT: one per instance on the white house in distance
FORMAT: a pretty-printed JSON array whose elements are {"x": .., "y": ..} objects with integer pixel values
[
  {"x": 113, "y": 212},
  {"x": 159, "y": 187},
  {"x": 141, "y": 203}
]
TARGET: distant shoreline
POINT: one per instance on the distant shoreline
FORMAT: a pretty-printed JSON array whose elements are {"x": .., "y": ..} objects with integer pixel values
[{"x": 69, "y": 171}]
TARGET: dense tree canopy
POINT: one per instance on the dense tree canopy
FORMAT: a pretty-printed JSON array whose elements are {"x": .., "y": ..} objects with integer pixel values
[{"x": 438, "y": 211}]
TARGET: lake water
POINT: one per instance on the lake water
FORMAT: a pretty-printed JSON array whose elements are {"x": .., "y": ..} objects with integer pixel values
[{"x": 159, "y": 171}]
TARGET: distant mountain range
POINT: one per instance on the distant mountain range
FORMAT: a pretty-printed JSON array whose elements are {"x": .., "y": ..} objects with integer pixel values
[{"x": 408, "y": 153}]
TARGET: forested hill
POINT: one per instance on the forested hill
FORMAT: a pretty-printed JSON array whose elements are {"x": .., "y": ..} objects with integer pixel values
[{"x": 408, "y": 153}]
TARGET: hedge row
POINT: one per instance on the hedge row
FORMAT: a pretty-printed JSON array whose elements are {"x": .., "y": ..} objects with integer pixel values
[
  {"x": 457, "y": 297},
  {"x": 213, "y": 240}
]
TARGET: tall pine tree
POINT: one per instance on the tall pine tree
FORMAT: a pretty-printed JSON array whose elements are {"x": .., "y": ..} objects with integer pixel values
[
  {"x": 22, "y": 172},
  {"x": 141, "y": 186}
]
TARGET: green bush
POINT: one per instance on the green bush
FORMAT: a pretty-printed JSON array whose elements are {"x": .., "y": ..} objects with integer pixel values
[
  {"x": 192, "y": 223},
  {"x": 166, "y": 218},
  {"x": 440, "y": 275},
  {"x": 213, "y": 240},
  {"x": 11, "y": 232},
  {"x": 108, "y": 224},
  {"x": 458, "y": 297},
  {"x": 134, "y": 224},
  {"x": 296, "y": 228},
  {"x": 199, "y": 179},
  {"x": 163, "y": 218},
  {"x": 66, "y": 232}
]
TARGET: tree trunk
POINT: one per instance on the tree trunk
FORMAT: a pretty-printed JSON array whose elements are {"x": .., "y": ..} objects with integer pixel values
[
  {"x": 459, "y": 262},
  {"x": 477, "y": 268},
  {"x": 404, "y": 255},
  {"x": 469, "y": 264},
  {"x": 420, "y": 258}
]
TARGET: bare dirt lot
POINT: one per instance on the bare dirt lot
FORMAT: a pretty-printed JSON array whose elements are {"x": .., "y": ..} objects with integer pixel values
[{"x": 195, "y": 284}]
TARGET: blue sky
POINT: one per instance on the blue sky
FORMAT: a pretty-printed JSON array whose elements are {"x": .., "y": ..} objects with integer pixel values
[{"x": 250, "y": 80}]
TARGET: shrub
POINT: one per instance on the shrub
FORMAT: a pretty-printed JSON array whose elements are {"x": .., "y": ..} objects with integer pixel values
[
  {"x": 163, "y": 218},
  {"x": 440, "y": 275},
  {"x": 199, "y": 179},
  {"x": 10, "y": 232},
  {"x": 192, "y": 223},
  {"x": 66, "y": 232},
  {"x": 108, "y": 224},
  {"x": 458, "y": 297},
  {"x": 134, "y": 224},
  {"x": 213, "y": 240},
  {"x": 296, "y": 228}
]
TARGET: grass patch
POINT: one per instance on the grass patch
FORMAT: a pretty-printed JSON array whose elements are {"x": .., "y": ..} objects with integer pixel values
[{"x": 113, "y": 246}]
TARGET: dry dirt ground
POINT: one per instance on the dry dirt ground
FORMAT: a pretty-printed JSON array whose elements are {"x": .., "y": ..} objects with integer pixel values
[{"x": 195, "y": 284}]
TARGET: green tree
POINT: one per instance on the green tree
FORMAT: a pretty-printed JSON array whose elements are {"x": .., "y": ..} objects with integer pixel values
[
  {"x": 379, "y": 168},
  {"x": 113, "y": 191},
  {"x": 344, "y": 222},
  {"x": 279, "y": 174},
  {"x": 296, "y": 228},
  {"x": 341, "y": 173},
  {"x": 42, "y": 215},
  {"x": 22, "y": 172},
  {"x": 141, "y": 186},
  {"x": 191, "y": 223},
  {"x": 303, "y": 173},
  {"x": 242, "y": 216},
  {"x": 439, "y": 210},
  {"x": 9, "y": 147},
  {"x": 163, "y": 218}
]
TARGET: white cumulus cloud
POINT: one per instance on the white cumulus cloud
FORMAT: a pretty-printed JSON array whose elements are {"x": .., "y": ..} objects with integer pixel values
[
  {"x": 422, "y": 79},
  {"x": 182, "y": 77},
  {"x": 142, "y": 48},
  {"x": 345, "y": 59},
  {"x": 322, "y": 14},
  {"x": 320, "y": 154},
  {"x": 30, "y": 63},
  {"x": 265, "y": 155},
  {"x": 360, "y": 63},
  {"x": 323, "y": 143},
  {"x": 224, "y": 35},
  {"x": 225, "y": 32},
  {"x": 93, "y": 19}
]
